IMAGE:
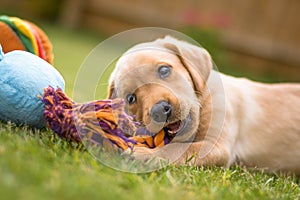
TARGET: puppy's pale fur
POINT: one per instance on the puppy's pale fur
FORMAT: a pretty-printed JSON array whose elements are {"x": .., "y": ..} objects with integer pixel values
[{"x": 234, "y": 120}]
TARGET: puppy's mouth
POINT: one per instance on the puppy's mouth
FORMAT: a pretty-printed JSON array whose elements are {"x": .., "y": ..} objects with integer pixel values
[
  {"x": 172, "y": 129},
  {"x": 177, "y": 127}
]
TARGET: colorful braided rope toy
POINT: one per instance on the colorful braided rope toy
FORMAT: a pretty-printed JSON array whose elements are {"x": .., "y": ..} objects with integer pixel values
[
  {"x": 19, "y": 34},
  {"x": 101, "y": 122}
]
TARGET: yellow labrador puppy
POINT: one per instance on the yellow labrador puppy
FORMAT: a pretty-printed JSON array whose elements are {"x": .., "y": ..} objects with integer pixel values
[{"x": 216, "y": 119}]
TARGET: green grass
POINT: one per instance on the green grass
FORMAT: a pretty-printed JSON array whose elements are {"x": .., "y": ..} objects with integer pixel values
[{"x": 36, "y": 164}]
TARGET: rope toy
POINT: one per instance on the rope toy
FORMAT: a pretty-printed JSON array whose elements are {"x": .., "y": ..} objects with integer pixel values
[
  {"x": 18, "y": 34},
  {"x": 101, "y": 122}
]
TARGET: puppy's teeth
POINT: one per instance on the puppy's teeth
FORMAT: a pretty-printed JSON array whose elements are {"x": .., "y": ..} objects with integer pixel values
[{"x": 171, "y": 132}]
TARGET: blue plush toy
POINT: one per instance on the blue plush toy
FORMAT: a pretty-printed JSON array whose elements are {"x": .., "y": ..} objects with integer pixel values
[{"x": 23, "y": 76}]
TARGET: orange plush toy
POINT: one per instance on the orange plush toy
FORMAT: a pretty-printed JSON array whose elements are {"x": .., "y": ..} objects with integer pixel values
[{"x": 18, "y": 34}]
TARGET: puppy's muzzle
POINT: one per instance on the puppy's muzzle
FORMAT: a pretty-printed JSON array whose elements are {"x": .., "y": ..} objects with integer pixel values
[{"x": 161, "y": 111}]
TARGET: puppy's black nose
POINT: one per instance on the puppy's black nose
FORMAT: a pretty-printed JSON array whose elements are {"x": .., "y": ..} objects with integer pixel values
[{"x": 161, "y": 111}]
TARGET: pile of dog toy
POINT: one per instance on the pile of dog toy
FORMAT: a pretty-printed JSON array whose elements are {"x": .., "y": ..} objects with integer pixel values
[{"x": 32, "y": 93}]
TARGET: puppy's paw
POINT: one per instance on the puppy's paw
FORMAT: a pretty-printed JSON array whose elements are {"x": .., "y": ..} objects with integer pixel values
[
  {"x": 143, "y": 153},
  {"x": 150, "y": 156}
]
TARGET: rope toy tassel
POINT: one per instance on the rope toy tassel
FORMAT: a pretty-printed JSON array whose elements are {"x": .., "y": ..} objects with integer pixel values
[{"x": 100, "y": 122}]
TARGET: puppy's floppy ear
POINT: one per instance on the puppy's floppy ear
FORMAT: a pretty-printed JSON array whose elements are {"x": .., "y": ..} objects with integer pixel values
[{"x": 196, "y": 60}]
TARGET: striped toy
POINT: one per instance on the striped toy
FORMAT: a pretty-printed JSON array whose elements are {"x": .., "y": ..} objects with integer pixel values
[
  {"x": 102, "y": 122},
  {"x": 19, "y": 34}
]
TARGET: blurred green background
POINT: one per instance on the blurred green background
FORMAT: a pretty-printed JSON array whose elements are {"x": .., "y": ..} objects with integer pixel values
[{"x": 255, "y": 39}]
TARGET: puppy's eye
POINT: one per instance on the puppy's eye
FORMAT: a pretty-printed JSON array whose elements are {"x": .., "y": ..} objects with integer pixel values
[
  {"x": 164, "y": 71},
  {"x": 131, "y": 98}
]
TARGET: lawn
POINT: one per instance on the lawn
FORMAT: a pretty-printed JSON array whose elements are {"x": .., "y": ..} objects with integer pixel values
[{"x": 36, "y": 164}]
